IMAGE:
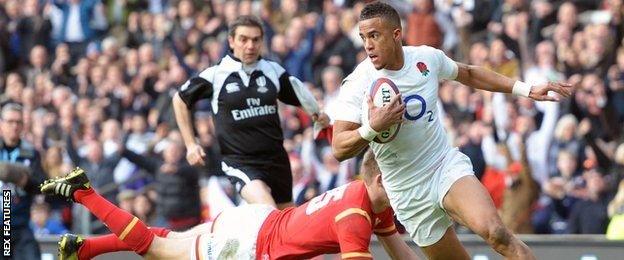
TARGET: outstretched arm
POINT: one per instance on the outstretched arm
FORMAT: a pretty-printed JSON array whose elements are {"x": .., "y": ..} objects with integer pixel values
[
  {"x": 482, "y": 78},
  {"x": 71, "y": 151}
]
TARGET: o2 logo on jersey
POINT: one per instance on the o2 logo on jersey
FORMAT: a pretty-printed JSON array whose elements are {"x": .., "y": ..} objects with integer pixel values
[
  {"x": 416, "y": 107},
  {"x": 322, "y": 200}
]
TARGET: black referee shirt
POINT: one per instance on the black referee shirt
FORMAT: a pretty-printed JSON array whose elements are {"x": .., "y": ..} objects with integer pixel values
[{"x": 245, "y": 106}]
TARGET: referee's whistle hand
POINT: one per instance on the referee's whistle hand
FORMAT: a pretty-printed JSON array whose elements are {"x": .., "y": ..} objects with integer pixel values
[
  {"x": 195, "y": 155},
  {"x": 381, "y": 118}
]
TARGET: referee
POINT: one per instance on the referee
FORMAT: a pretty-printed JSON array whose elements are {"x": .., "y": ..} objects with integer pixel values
[{"x": 243, "y": 89}]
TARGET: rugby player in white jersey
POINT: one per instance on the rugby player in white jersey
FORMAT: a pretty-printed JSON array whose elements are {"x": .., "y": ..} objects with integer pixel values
[{"x": 428, "y": 181}]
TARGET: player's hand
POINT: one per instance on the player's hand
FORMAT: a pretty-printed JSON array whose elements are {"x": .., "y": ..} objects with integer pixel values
[
  {"x": 195, "y": 155},
  {"x": 382, "y": 118},
  {"x": 540, "y": 92},
  {"x": 322, "y": 119}
]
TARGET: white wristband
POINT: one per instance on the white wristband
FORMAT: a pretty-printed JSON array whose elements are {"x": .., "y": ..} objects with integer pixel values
[
  {"x": 367, "y": 132},
  {"x": 521, "y": 89}
]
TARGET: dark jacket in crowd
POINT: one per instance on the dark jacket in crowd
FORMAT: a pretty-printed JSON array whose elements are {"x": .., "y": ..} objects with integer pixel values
[
  {"x": 24, "y": 153},
  {"x": 23, "y": 241},
  {"x": 178, "y": 193},
  {"x": 589, "y": 217},
  {"x": 100, "y": 174}
]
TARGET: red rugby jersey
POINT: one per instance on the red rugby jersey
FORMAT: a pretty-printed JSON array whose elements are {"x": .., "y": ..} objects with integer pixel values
[{"x": 338, "y": 221}]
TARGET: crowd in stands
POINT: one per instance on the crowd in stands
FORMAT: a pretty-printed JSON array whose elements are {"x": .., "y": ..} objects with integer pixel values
[{"x": 95, "y": 79}]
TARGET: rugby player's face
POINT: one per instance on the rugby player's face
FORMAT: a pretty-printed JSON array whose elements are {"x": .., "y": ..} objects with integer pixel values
[
  {"x": 380, "y": 40},
  {"x": 246, "y": 43}
]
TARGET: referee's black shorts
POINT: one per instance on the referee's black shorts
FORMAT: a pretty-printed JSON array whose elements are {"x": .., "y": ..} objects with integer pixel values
[{"x": 274, "y": 171}]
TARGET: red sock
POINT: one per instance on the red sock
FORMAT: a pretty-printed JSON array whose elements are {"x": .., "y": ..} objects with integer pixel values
[
  {"x": 127, "y": 227},
  {"x": 95, "y": 246}
]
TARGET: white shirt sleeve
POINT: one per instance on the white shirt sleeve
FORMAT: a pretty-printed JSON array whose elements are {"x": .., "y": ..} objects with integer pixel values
[
  {"x": 447, "y": 68},
  {"x": 349, "y": 103}
]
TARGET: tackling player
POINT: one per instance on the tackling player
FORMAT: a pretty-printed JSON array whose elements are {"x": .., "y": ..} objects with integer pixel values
[
  {"x": 427, "y": 180},
  {"x": 341, "y": 220}
]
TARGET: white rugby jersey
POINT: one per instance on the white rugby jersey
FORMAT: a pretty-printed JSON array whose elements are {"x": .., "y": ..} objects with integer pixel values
[{"x": 421, "y": 143}]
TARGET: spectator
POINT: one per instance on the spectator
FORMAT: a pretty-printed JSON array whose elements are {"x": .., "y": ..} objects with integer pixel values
[
  {"x": 331, "y": 78},
  {"x": 98, "y": 167},
  {"x": 143, "y": 209},
  {"x": 544, "y": 68},
  {"x": 471, "y": 146},
  {"x": 521, "y": 193},
  {"x": 336, "y": 48},
  {"x": 567, "y": 16},
  {"x": 61, "y": 68},
  {"x": 77, "y": 27},
  {"x": 43, "y": 223},
  {"x": 38, "y": 65},
  {"x": 33, "y": 28},
  {"x": 53, "y": 163},
  {"x": 125, "y": 198},
  {"x": 502, "y": 61},
  {"x": 176, "y": 183},
  {"x": 423, "y": 27},
  {"x": 616, "y": 83},
  {"x": 564, "y": 189},
  {"x": 23, "y": 183},
  {"x": 565, "y": 139},
  {"x": 13, "y": 90},
  {"x": 589, "y": 215},
  {"x": 140, "y": 141},
  {"x": 599, "y": 125},
  {"x": 300, "y": 41},
  {"x": 615, "y": 210}
]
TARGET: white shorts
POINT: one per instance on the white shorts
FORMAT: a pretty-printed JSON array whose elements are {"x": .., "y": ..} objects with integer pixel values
[
  {"x": 234, "y": 236},
  {"x": 419, "y": 205}
]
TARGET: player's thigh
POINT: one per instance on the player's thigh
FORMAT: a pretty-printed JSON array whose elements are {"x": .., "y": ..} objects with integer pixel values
[
  {"x": 469, "y": 203},
  {"x": 170, "y": 248},
  {"x": 257, "y": 191},
  {"x": 448, "y": 247},
  {"x": 244, "y": 220},
  {"x": 417, "y": 209}
]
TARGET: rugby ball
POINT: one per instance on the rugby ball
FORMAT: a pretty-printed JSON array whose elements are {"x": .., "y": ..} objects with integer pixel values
[{"x": 382, "y": 91}]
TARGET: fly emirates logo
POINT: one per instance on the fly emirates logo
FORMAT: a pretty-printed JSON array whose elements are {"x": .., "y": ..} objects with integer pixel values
[{"x": 255, "y": 109}]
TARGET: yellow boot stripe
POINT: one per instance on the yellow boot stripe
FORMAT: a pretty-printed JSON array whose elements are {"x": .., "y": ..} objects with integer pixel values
[{"x": 128, "y": 228}]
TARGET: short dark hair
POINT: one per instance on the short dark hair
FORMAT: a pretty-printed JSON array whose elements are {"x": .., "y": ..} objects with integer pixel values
[
  {"x": 245, "y": 20},
  {"x": 381, "y": 10}
]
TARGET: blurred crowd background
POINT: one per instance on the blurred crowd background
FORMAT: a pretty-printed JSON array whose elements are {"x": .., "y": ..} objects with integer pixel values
[{"x": 95, "y": 80}]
